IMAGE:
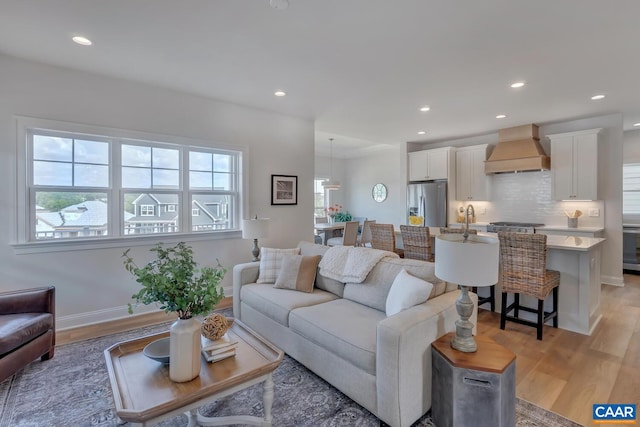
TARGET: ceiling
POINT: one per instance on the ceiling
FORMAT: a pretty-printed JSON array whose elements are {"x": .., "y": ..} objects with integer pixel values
[{"x": 361, "y": 69}]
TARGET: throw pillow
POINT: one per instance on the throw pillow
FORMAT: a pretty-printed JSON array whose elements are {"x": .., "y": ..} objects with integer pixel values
[
  {"x": 406, "y": 291},
  {"x": 298, "y": 272},
  {"x": 270, "y": 261}
]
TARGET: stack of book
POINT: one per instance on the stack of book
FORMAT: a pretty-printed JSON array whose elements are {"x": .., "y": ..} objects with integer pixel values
[{"x": 218, "y": 349}]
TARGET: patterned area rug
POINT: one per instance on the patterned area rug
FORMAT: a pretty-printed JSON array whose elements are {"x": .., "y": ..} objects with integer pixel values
[{"x": 72, "y": 389}]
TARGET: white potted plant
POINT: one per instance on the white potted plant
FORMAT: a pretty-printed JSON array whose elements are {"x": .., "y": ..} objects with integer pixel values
[{"x": 174, "y": 281}]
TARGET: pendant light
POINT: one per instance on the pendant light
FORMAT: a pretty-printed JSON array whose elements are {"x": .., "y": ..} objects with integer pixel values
[{"x": 331, "y": 184}]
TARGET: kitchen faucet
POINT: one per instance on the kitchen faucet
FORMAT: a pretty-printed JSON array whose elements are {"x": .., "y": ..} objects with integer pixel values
[{"x": 466, "y": 221}]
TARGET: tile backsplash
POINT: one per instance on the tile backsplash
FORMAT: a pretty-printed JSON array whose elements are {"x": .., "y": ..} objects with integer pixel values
[{"x": 526, "y": 197}]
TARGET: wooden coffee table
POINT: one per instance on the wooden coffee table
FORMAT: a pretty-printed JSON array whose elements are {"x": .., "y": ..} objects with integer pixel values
[{"x": 144, "y": 394}]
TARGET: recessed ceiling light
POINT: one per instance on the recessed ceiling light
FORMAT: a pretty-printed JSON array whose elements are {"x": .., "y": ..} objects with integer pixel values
[
  {"x": 596, "y": 97},
  {"x": 421, "y": 132},
  {"x": 501, "y": 116},
  {"x": 82, "y": 40},
  {"x": 517, "y": 85},
  {"x": 425, "y": 108},
  {"x": 279, "y": 93},
  {"x": 636, "y": 124}
]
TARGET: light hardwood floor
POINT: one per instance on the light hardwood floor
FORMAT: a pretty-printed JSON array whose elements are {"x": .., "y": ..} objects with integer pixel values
[{"x": 568, "y": 372}]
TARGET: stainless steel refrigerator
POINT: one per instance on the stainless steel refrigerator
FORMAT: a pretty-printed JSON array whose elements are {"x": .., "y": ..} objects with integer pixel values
[{"x": 428, "y": 200}]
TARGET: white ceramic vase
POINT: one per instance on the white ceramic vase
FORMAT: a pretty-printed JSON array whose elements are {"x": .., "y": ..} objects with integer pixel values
[{"x": 184, "y": 352}]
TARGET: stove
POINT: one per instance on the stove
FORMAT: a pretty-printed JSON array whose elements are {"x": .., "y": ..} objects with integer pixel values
[{"x": 518, "y": 227}]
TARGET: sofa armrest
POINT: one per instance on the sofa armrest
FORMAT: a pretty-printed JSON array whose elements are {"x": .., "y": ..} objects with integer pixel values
[
  {"x": 243, "y": 274},
  {"x": 37, "y": 300},
  {"x": 403, "y": 356}
]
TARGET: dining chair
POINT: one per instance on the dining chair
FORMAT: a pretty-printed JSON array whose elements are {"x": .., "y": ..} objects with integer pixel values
[
  {"x": 523, "y": 259},
  {"x": 365, "y": 237},
  {"x": 416, "y": 242},
  {"x": 383, "y": 237},
  {"x": 349, "y": 236},
  {"x": 491, "y": 299}
]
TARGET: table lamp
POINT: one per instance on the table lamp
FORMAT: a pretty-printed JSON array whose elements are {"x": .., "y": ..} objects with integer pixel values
[
  {"x": 467, "y": 262},
  {"x": 255, "y": 228}
]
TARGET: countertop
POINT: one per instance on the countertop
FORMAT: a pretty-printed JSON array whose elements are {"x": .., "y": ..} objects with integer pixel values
[
  {"x": 569, "y": 229},
  {"x": 570, "y": 243}
]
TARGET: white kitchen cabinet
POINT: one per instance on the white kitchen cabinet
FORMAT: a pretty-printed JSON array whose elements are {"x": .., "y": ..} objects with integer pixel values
[
  {"x": 574, "y": 165},
  {"x": 429, "y": 164},
  {"x": 471, "y": 181}
]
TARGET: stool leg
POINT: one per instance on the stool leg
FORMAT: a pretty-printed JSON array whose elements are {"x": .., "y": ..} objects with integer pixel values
[
  {"x": 540, "y": 318},
  {"x": 516, "y": 306},
  {"x": 492, "y": 293},
  {"x": 555, "y": 306},
  {"x": 503, "y": 315}
]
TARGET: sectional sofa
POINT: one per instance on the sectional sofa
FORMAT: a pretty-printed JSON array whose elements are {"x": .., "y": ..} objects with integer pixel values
[{"x": 341, "y": 331}]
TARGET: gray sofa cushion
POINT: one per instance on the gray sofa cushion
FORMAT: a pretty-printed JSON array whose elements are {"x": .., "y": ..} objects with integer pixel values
[
  {"x": 374, "y": 290},
  {"x": 277, "y": 303},
  {"x": 343, "y": 327},
  {"x": 330, "y": 285}
]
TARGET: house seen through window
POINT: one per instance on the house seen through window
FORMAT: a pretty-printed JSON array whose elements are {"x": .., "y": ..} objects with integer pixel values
[{"x": 95, "y": 186}]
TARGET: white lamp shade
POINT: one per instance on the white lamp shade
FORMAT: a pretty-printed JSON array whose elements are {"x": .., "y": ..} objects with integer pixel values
[
  {"x": 255, "y": 228},
  {"x": 472, "y": 263},
  {"x": 331, "y": 184}
]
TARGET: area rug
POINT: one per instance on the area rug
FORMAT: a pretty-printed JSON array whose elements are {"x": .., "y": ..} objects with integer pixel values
[{"x": 72, "y": 389}]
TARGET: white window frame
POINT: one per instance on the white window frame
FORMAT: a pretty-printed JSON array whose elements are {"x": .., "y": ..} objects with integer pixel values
[
  {"x": 144, "y": 210},
  {"x": 22, "y": 240},
  {"x": 171, "y": 208},
  {"x": 195, "y": 212}
]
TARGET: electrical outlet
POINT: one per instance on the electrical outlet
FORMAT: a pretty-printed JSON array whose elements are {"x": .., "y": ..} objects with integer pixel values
[
  {"x": 483, "y": 211},
  {"x": 594, "y": 212}
]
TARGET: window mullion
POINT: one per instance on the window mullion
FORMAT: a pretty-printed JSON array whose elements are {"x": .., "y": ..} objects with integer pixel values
[
  {"x": 116, "y": 195},
  {"x": 185, "y": 195}
]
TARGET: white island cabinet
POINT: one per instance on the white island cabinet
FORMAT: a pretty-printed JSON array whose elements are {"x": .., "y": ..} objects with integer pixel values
[{"x": 578, "y": 261}]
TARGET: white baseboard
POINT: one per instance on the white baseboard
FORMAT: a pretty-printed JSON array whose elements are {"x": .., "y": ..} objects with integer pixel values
[
  {"x": 612, "y": 280},
  {"x": 98, "y": 316}
]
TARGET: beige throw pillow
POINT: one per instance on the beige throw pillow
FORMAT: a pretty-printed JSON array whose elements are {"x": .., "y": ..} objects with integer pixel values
[
  {"x": 406, "y": 291},
  {"x": 298, "y": 272},
  {"x": 270, "y": 261}
]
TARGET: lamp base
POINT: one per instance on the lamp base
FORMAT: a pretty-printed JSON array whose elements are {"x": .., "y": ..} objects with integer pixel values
[
  {"x": 255, "y": 251},
  {"x": 463, "y": 339}
]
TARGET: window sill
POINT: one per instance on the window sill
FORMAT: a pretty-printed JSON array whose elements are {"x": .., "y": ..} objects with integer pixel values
[{"x": 119, "y": 242}]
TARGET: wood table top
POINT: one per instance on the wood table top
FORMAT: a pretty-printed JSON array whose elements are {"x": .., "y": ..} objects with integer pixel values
[
  {"x": 142, "y": 389},
  {"x": 490, "y": 357}
]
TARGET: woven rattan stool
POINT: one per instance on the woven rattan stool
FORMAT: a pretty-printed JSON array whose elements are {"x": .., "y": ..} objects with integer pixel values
[
  {"x": 383, "y": 237},
  {"x": 523, "y": 260},
  {"x": 491, "y": 299},
  {"x": 416, "y": 242}
]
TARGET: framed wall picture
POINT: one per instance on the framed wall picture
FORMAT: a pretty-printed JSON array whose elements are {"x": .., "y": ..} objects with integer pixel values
[{"x": 284, "y": 190}]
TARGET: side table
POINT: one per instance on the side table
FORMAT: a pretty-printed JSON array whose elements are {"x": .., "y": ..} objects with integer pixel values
[{"x": 473, "y": 389}]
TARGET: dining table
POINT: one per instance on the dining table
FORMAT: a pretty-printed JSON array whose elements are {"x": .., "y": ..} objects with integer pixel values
[{"x": 327, "y": 229}]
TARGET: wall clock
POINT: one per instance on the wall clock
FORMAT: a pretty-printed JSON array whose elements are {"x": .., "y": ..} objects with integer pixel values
[{"x": 379, "y": 192}]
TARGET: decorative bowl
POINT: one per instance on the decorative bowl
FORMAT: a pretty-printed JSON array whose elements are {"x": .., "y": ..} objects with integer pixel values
[{"x": 158, "y": 350}]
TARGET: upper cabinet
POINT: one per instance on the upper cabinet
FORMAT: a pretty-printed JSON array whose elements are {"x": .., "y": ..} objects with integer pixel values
[
  {"x": 574, "y": 165},
  {"x": 429, "y": 164},
  {"x": 471, "y": 181}
]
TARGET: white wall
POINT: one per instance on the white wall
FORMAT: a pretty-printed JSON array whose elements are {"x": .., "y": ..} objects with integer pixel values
[
  {"x": 631, "y": 146},
  {"x": 92, "y": 285},
  {"x": 387, "y": 167}
]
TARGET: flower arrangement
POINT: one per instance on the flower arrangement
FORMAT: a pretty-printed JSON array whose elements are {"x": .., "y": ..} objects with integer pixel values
[
  {"x": 333, "y": 210},
  {"x": 174, "y": 281}
]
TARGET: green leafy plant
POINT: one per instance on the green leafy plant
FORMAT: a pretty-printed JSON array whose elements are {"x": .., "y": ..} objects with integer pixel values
[
  {"x": 173, "y": 280},
  {"x": 342, "y": 217}
]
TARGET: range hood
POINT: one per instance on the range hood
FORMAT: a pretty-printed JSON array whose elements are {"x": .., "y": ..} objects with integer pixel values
[{"x": 518, "y": 150}]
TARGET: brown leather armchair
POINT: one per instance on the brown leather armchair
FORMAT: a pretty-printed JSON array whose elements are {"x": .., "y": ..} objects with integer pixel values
[{"x": 27, "y": 328}]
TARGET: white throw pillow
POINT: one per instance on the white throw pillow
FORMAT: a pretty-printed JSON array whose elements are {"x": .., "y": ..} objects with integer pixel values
[
  {"x": 270, "y": 262},
  {"x": 406, "y": 291}
]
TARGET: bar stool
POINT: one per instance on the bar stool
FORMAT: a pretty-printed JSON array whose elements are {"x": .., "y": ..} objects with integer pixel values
[
  {"x": 383, "y": 237},
  {"x": 417, "y": 242},
  {"x": 523, "y": 260},
  {"x": 491, "y": 299}
]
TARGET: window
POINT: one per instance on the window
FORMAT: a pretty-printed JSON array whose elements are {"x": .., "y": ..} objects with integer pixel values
[
  {"x": 319, "y": 198},
  {"x": 93, "y": 185},
  {"x": 631, "y": 191}
]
